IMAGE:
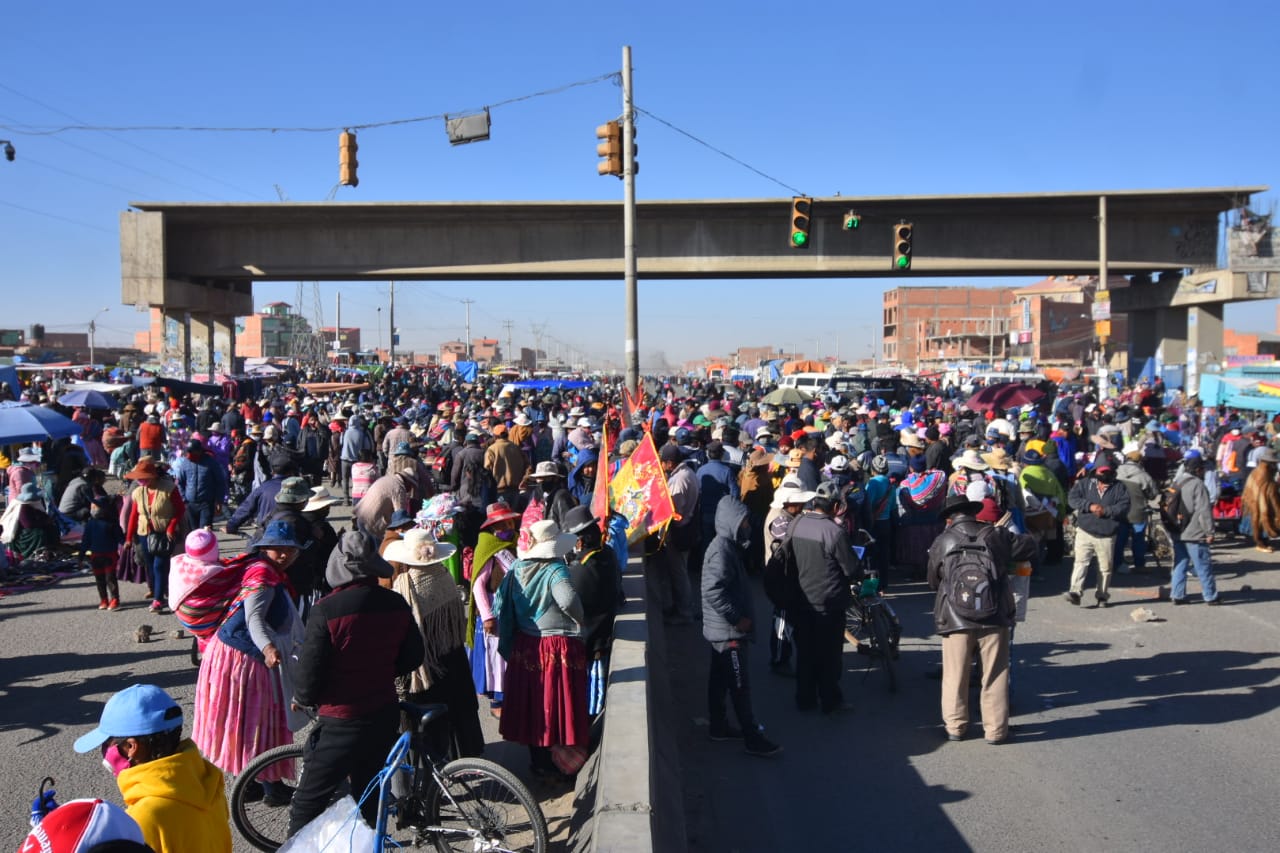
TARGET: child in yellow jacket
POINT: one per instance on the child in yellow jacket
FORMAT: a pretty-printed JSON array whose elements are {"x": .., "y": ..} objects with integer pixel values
[{"x": 175, "y": 795}]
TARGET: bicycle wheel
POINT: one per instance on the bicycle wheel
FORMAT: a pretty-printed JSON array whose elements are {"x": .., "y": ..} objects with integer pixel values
[
  {"x": 880, "y": 632},
  {"x": 265, "y": 825},
  {"x": 486, "y": 808},
  {"x": 1160, "y": 545}
]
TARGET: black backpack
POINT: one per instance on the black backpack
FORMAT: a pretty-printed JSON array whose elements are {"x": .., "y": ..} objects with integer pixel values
[
  {"x": 1173, "y": 512},
  {"x": 975, "y": 586},
  {"x": 476, "y": 484}
]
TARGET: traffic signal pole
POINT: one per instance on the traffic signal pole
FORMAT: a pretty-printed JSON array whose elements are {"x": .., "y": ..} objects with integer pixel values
[{"x": 629, "y": 226}]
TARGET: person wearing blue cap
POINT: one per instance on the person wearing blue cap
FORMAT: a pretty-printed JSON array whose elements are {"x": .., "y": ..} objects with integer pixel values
[{"x": 177, "y": 797}]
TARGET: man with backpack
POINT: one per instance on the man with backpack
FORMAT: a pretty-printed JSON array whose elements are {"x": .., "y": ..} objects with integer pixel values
[
  {"x": 1192, "y": 529},
  {"x": 974, "y": 610},
  {"x": 1100, "y": 505}
]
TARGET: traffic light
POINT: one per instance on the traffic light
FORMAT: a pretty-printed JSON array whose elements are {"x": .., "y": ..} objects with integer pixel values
[
  {"x": 347, "y": 162},
  {"x": 801, "y": 209},
  {"x": 852, "y": 221},
  {"x": 610, "y": 149},
  {"x": 902, "y": 246}
]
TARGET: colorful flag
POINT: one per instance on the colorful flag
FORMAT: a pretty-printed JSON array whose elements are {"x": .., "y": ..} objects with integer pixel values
[
  {"x": 600, "y": 495},
  {"x": 639, "y": 492}
]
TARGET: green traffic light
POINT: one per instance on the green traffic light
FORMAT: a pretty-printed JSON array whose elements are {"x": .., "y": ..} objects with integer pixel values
[
  {"x": 903, "y": 262},
  {"x": 852, "y": 223},
  {"x": 799, "y": 238}
]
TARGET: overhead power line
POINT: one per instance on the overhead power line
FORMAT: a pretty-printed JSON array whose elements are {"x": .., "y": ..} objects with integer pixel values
[
  {"x": 49, "y": 130},
  {"x": 721, "y": 152}
]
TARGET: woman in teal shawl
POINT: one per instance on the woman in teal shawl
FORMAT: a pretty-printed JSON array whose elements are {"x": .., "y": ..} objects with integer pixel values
[{"x": 539, "y": 623}]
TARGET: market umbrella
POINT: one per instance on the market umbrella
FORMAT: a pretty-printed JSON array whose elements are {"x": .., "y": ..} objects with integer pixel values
[
  {"x": 786, "y": 396},
  {"x": 23, "y": 422},
  {"x": 89, "y": 400},
  {"x": 1003, "y": 397}
]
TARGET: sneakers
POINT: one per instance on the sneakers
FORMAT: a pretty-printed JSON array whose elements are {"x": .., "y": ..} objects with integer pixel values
[
  {"x": 113, "y": 604},
  {"x": 102, "y": 605},
  {"x": 1104, "y": 600},
  {"x": 1178, "y": 601},
  {"x": 1214, "y": 602},
  {"x": 1073, "y": 597},
  {"x": 156, "y": 607},
  {"x": 724, "y": 732},
  {"x": 761, "y": 746},
  {"x": 1124, "y": 569}
]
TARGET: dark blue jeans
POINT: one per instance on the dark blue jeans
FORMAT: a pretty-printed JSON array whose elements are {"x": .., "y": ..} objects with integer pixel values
[
  {"x": 1139, "y": 534},
  {"x": 1193, "y": 555},
  {"x": 157, "y": 566}
]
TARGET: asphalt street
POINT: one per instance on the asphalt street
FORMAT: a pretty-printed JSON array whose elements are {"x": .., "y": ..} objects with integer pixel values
[
  {"x": 62, "y": 659},
  {"x": 1157, "y": 735}
]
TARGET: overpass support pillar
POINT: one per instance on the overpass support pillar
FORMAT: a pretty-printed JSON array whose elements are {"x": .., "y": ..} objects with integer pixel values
[
  {"x": 1170, "y": 331},
  {"x": 210, "y": 349},
  {"x": 1204, "y": 342},
  {"x": 1144, "y": 343}
]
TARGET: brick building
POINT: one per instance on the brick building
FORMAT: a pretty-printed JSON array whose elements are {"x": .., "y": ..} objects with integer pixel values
[
  {"x": 348, "y": 338},
  {"x": 1051, "y": 321},
  {"x": 924, "y": 326}
]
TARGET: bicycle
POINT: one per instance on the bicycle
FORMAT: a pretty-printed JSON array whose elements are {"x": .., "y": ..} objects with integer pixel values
[
  {"x": 464, "y": 804},
  {"x": 870, "y": 623},
  {"x": 1159, "y": 540}
]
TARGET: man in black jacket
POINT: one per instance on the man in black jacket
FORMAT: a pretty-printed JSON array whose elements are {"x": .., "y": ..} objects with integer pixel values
[
  {"x": 961, "y": 636},
  {"x": 1100, "y": 505},
  {"x": 824, "y": 569},
  {"x": 360, "y": 638}
]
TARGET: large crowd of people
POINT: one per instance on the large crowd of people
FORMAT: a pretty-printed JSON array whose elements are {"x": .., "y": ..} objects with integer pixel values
[{"x": 475, "y": 573}]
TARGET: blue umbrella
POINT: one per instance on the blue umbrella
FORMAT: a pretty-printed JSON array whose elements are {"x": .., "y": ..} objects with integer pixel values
[
  {"x": 89, "y": 400},
  {"x": 23, "y": 422}
]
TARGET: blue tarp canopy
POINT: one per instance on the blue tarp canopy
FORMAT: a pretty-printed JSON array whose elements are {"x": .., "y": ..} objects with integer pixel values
[
  {"x": 466, "y": 370},
  {"x": 1238, "y": 392},
  {"x": 9, "y": 376}
]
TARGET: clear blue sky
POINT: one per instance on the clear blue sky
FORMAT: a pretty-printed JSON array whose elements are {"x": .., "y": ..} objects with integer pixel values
[{"x": 855, "y": 98}]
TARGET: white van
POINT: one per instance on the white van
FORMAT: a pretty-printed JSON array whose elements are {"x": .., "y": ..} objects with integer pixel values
[{"x": 812, "y": 383}]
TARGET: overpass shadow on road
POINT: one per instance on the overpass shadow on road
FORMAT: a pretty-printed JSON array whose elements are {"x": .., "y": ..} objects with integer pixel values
[
  {"x": 844, "y": 782},
  {"x": 1166, "y": 689}
]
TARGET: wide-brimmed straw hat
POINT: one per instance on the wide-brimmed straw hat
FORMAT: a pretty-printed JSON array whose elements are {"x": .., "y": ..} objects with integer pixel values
[
  {"x": 146, "y": 469},
  {"x": 418, "y": 548},
  {"x": 498, "y": 512},
  {"x": 549, "y": 542},
  {"x": 546, "y": 471}
]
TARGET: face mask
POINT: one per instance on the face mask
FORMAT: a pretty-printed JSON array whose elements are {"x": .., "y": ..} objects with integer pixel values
[
  {"x": 506, "y": 535},
  {"x": 113, "y": 760}
]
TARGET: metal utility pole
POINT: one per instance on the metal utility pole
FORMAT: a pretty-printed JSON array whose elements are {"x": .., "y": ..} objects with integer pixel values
[
  {"x": 629, "y": 226},
  {"x": 507, "y": 324},
  {"x": 991, "y": 339},
  {"x": 467, "y": 302},
  {"x": 1098, "y": 293},
  {"x": 337, "y": 328},
  {"x": 391, "y": 355}
]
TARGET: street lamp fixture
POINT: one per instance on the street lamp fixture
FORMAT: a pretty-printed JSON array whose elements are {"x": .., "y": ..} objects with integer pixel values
[
  {"x": 93, "y": 327},
  {"x": 10, "y": 153}
]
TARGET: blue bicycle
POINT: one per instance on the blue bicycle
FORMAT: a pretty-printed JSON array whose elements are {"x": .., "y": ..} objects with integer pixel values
[{"x": 423, "y": 798}]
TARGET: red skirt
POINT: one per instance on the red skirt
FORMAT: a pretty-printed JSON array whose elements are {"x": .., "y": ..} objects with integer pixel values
[{"x": 545, "y": 698}]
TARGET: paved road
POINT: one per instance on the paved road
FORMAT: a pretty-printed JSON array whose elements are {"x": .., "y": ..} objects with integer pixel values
[
  {"x": 62, "y": 658},
  {"x": 1154, "y": 736}
]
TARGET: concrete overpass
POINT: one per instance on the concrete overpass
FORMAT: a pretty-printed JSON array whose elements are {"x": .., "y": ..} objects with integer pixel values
[{"x": 198, "y": 261}]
